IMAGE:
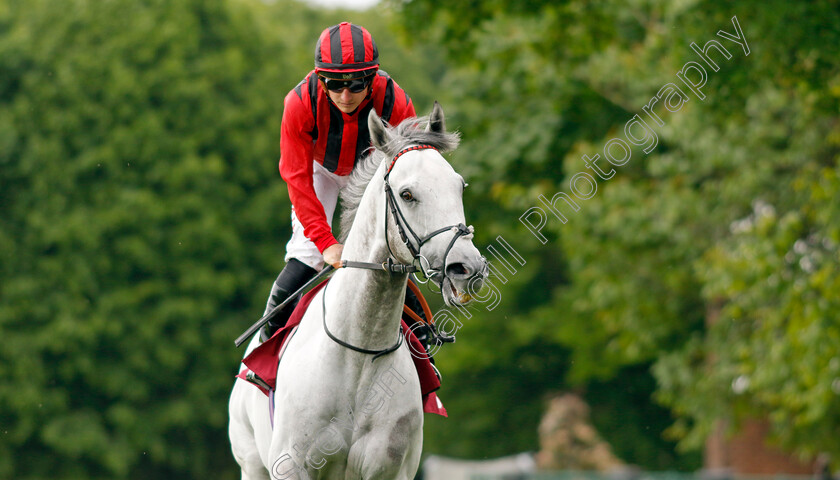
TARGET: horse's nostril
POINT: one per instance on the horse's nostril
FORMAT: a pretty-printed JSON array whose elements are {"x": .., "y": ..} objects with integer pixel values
[{"x": 457, "y": 270}]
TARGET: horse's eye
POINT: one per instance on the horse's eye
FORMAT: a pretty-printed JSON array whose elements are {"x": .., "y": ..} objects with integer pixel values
[{"x": 406, "y": 195}]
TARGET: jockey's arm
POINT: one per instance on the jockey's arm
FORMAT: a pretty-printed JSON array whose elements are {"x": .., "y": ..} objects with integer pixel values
[{"x": 296, "y": 169}]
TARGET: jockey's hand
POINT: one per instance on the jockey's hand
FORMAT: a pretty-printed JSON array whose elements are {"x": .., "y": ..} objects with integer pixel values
[{"x": 332, "y": 255}]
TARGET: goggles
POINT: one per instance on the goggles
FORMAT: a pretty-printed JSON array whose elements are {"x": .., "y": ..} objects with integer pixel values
[{"x": 356, "y": 85}]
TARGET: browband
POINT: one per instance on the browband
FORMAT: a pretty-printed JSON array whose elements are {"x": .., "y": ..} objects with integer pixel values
[{"x": 406, "y": 150}]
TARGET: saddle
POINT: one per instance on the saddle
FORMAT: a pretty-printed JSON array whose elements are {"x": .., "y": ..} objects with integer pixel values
[{"x": 261, "y": 364}]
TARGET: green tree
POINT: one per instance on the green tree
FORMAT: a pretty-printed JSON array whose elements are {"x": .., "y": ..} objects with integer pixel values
[
  {"x": 141, "y": 220},
  {"x": 730, "y": 217}
]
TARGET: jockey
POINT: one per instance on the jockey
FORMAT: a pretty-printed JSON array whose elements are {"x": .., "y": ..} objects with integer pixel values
[{"x": 323, "y": 132}]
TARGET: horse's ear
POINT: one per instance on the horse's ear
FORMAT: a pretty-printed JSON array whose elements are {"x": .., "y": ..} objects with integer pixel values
[
  {"x": 437, "y": 123},
  {"x": 378, "y": 134}
]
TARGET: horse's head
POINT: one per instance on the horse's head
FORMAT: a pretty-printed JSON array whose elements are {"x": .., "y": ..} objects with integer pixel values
[{"x": 425, "y": 211}]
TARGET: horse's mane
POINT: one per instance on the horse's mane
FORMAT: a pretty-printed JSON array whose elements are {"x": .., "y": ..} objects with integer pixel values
[{"x": 411, "y": 131}]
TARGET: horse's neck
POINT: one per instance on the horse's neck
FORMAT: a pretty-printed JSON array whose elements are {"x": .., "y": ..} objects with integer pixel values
[{"x": 368, "y": 302}]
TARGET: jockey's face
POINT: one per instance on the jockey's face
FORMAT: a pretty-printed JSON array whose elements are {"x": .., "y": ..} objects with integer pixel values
[{"x": 347, "y": 101}]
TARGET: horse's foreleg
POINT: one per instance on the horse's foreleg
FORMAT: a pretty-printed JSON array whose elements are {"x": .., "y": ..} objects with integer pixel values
[
  {"x": 243, "y": 441},
  {"x": 394, "y": 455},
  {"x": 245, "y": 452}
]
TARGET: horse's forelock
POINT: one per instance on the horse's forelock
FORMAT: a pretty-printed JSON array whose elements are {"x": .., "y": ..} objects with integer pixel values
[{"x": 412, "y": 131}]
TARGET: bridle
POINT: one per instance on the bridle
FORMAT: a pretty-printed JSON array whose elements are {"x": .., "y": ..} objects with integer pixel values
[
  {"x": 393, "y": 208},
  {"x": 392, "y": 267},
  {"x": 402, "y": 223}
]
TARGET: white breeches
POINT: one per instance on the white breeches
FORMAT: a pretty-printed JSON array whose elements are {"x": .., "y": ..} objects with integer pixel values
[{"x": 327, "y": 186}]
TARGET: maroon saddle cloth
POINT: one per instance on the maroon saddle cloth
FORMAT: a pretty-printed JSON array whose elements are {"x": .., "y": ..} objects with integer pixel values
[{"x": 264, "y": 359}]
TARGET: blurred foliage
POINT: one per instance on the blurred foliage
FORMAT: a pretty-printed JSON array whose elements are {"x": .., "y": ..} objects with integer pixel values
[
  {"x": 712, "y": 261},
  {"x": 129, "y": 257},
  {"x": 142, "y": 220}
]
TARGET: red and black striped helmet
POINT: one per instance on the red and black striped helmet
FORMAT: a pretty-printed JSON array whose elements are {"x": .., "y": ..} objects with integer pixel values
[{"x": 346, "y": 51}]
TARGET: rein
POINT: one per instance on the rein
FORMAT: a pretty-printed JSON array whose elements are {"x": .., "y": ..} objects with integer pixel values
[
  {"x": 390, "y": 265},
  {"x": 376, "y": 353}
]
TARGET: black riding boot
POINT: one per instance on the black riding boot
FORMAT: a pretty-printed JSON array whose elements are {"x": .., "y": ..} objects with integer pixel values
[{"x": 294, "y": 275}]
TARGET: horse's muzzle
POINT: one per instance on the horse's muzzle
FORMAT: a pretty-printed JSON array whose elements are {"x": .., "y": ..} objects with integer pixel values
[{"x": 463, "y": 279}]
